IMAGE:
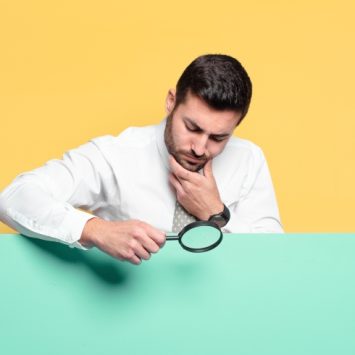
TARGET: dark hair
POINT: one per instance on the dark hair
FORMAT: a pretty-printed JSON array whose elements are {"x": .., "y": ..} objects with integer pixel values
[{"x": 219, "y": 80}]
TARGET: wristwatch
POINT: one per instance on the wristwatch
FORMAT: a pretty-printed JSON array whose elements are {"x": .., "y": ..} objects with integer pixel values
[{"x": 222, "y": 218}]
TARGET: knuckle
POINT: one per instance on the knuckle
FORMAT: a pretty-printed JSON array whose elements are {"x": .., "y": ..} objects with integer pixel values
[
  {"x": 161, "y": 240},
  {"x": 187, "y": 189},
  {"x": 132, "y": 244},
  {"x": 185, "y": 192},
  {"x": 180, "y": 195},
  {"x": 128, "y": 254},
  {"x": 136, "y": 231}
]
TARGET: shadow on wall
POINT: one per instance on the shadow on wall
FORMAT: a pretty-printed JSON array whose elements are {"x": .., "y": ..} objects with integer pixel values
[{"x": 104, "y": 267}]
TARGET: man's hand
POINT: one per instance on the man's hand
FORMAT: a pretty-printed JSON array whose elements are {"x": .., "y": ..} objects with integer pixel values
[
  {"x": 197, "y": 193},
  {"x": 125, "y": 240}
]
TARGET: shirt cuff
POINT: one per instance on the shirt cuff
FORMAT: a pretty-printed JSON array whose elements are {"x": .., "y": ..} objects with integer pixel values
[
  {"x": 69, "y": 232},
  {"x": 76, "y": 220}
]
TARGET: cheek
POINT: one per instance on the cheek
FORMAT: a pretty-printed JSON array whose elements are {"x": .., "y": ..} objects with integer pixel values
[
  {"x": 182, "y": 138},
  {"x": 182, "y": 142}
]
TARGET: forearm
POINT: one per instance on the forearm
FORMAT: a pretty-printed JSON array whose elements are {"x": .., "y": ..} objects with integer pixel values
[
  {"x": 29, "y": 209},
  {"x": 44, "y": 202}
]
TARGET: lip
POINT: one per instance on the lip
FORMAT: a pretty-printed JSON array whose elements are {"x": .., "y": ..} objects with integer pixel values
[{"x": 193, "y": 160}]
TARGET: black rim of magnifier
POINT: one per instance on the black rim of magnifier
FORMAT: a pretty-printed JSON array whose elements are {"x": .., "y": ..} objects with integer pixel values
[{"x": 200, "y": 224}]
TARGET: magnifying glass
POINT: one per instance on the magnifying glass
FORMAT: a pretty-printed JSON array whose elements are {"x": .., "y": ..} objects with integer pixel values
[{"x": 198, "y": 237}]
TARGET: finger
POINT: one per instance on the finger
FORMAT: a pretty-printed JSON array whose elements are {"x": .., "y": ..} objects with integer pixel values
[
  {"x": 134, "y": 260},
  {"x": 152, "y": 235},
  {"x": 183, "y": 189},
  {"x": 176, "y": 184},
  {"x": 179, "y": 171},
  {"x": 141, "y": 252},
  {"x": 207, "y": 169},
  {"x": 150, "y": 245}
]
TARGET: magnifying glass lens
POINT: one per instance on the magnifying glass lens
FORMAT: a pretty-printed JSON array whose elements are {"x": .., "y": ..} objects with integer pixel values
[{"x": 200, "y": 237}]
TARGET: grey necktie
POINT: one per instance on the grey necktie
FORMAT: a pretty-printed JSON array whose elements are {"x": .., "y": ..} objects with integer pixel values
[{"x": 181, "y": 218}]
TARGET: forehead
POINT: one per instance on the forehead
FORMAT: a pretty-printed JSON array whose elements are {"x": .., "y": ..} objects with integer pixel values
[{"x": 208, "y": 119}]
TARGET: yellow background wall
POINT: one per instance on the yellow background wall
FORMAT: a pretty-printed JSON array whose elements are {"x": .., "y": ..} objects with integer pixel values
[{"x": 71, "y": 70}]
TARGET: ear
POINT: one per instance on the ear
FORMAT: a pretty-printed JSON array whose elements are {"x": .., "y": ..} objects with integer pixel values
[{"x": 170, "y": 101}]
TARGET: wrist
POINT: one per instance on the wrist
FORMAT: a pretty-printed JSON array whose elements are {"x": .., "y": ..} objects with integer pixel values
[
  {"x": 213, "y": 210},
  {"x": 90, "y": 232}
]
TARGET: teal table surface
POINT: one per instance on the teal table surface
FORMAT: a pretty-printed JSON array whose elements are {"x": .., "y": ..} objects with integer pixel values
[{"x": 254, "y": 294}]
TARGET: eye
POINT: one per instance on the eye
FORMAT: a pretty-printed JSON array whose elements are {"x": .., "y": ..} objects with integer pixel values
[
  {"x": 218, "y": 139},
  {"x": 192, "y": 128}
]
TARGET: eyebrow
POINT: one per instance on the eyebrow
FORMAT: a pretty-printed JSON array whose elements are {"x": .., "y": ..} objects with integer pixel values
[{"x": 196, "y": 126}]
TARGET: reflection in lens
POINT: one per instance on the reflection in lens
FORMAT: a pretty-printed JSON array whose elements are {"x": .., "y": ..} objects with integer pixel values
[{"x": 200, "y": 237}]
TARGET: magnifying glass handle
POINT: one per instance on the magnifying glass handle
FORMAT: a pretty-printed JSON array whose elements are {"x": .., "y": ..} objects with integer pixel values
[{"x": 171, "y": 236}]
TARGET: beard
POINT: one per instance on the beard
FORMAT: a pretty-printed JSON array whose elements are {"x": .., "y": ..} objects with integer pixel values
[{"x": 181, "y": 156}]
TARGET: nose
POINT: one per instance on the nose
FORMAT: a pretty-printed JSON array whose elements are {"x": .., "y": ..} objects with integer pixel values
[{"x": 199, "y": 145}]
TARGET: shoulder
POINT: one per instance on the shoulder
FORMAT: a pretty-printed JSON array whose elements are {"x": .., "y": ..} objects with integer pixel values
[
  {"x": 131, "y": 147},
  {"x": 240, "y": 160},
  {"x": 244, "y": 149},
  {"x": 130, "y": 138}
]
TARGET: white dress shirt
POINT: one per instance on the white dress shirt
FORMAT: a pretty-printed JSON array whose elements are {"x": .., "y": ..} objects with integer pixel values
[{"x": 126, "y": 177}]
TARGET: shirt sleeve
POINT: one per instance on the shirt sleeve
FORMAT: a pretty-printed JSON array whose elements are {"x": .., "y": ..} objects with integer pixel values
[
  {"x": 256, "y": 211},
  {"x": 51, "y": 202}
]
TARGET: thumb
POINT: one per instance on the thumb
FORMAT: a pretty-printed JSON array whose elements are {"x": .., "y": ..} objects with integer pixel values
[{"x": 207, "y": 169}]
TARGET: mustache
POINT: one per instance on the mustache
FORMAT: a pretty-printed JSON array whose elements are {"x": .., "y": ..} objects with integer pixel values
[{"x": 193, "y": 155}]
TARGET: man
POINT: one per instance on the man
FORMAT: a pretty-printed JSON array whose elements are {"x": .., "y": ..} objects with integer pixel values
[{"x": 153, "y": 179}]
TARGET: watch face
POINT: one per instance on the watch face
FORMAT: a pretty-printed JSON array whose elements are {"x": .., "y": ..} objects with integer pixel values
[{"x": 219, "y": 220}]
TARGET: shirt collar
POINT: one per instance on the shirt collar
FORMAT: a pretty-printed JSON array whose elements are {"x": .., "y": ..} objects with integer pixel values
[{"x": 163, "y": 151}]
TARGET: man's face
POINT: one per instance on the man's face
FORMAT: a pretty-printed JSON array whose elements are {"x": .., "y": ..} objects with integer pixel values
[{"x": 195, "y": 132}]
